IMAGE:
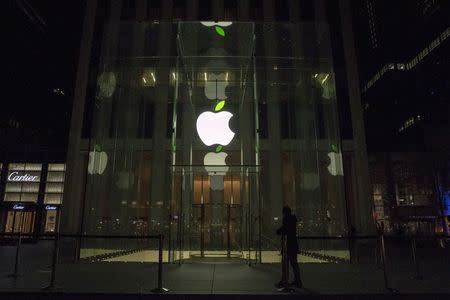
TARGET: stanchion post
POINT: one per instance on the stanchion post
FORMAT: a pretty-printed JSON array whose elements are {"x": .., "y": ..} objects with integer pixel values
[
  {"x": 202, "y": 230},
  {"x": 16, "y": 259},
  {"x": 228, "y": 230},
  {"x": 383, "y": 263},
  {"x": 414, "y": 255},
  {"x": 160, "y": 289},
  {"x": 15, "y": 274},
  {"x": 51, "y": 285},
  {"x": 284, "y": 259}
]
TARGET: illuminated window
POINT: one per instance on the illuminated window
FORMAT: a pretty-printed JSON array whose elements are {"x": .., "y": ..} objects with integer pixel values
[
  {"x": 22, "y": 182},
  {"x": 409, "y": 122},
  {"x": 412, "y": 63},
  {"x": 54, "y": 187},
  {"x": 434, "y": 43},
  {"x": 148, "y": 78}
]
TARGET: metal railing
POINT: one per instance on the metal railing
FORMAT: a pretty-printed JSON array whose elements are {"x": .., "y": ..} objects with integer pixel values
[
  {"x": 56, "y": 240},
  {"x": 380, "y": 261},
  {"x": 381, "y": 255}
]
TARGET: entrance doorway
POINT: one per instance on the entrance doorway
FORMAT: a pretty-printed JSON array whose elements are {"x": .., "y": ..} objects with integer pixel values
[
  {"x": 215, "y": 217},
  {"x": 20, "y": 221}
]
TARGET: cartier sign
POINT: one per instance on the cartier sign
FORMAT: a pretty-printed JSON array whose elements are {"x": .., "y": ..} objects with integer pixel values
[{"x": 21, "y": 176}]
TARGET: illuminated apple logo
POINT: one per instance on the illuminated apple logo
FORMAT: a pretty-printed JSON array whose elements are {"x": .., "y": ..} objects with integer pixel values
[
  {"x": 106, "y": 84},
  {"x": 213, "y": 128},
  {"x": 97, "y": 161}
]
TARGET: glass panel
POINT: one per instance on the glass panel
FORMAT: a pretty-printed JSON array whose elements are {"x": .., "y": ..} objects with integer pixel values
[
  {"x": 12, "y": 197},
  {"x": 243, "y": 114},
  {"x": 33, "y": 167},
  {"x": 53, "y": 198},
  {"x": 19, "y": 197},
  {"x": 15, "y": 166},
  {"x": 22, "y": 187},
  {"x": 50, "y": 220},
  {"x": 13, "y": 187},
  {"x": 55, "y": 176},
  {"x": 56, "y": 167},
  {"x": 29, "y": 197},
  {"x": 54, "y": 187}
]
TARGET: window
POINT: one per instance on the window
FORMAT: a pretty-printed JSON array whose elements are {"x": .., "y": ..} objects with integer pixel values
[
  {"x": 54, "y": 187},
  {"x": 401, "y": 66},
  {"x": 22, "y": 182}
]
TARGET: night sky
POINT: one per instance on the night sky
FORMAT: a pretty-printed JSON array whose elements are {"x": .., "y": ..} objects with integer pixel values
[{"x": 42, "y": 46}]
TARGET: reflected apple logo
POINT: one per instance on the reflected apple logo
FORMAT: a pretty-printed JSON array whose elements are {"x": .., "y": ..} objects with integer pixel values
[
  {"x": 106, "y": 83},
  {"x": 222, "y": 24},
  {"x": 335, "y": 167},
  {"x": 97, "y": 162},
  {"x": 216, "y": 167},
  {"x": 213, "y": 128},
  {"x": 215, "y": 163}
]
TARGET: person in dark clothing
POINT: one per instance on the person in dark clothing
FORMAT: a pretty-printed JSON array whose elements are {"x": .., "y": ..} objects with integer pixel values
[{"x": 289, "y": 231}]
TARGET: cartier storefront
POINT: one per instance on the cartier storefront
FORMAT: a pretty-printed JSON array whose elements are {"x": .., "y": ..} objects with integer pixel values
[{"x": 31, "y": 194}]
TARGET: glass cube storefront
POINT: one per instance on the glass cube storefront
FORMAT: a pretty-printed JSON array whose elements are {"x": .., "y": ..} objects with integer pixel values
[{"x": 203, "y": 131}]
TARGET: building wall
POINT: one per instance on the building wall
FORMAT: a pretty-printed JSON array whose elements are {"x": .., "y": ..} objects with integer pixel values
[{"x": 408, "y": 191}]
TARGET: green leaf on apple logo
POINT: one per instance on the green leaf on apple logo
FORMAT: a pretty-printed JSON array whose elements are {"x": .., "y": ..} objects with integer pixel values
[
  {"x": 219, "y": 148},
  {"x": 219, "y": 105},
  {"x": 219, "y": 30}
]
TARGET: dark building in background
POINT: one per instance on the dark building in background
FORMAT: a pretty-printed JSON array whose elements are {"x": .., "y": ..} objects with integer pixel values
[
  {"x": 41, "y": 46},
  {"x": 403, "y": 50}
]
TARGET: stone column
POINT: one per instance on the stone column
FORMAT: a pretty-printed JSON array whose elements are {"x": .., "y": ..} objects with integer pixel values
[
  {"x": 275, "y": 202},
  {"x": 363, "y": 220},
  {"x": 72, "y": 207},
  {"x": 160, "y": 162}
]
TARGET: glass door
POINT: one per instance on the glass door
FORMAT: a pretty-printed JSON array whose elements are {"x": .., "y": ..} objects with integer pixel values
[
  {"x": 216, "y": 217},
  {"x": 220, "y": 221}
]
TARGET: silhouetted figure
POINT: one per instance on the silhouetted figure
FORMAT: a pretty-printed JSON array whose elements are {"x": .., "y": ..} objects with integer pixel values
[{"x": 288, "y": 230}]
